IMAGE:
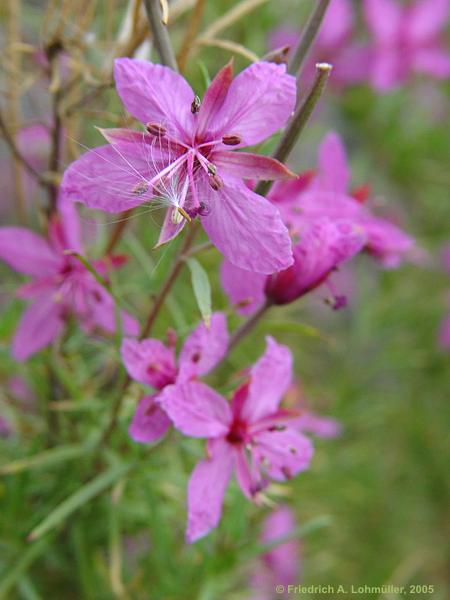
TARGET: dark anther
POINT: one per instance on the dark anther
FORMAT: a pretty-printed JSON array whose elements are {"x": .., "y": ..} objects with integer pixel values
[
  {"x": 141, "y": 188},
  {"x": 196, "y": 357},
  {"x": 156, "y": 129},
  {"x": 215, "y": 182},
  {"x": 204, "y": 210},
  {"x": 195, "y": 106},
  {"x": 277, "y": 428},
  {"x": 231, "y": 139}
]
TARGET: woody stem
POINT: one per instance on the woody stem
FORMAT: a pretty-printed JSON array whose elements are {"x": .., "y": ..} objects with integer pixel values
[
  {"x": 248, "y": 325},
  {"x": 308, "y": 36},
  {"x": 172, "y": 277},
  {"x": 160, "y": 33},
  {"x": 298, "y": 121}
]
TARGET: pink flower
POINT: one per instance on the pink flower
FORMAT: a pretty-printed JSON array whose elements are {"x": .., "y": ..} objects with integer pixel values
[
  {"x": 333, "y": 44},
  {"x": 407, "y": 39},
  {"x": 327, "y": 195},
  {"x": 152, "y": 363},
  {"x": 323, "y": 247},
  {"x": 60, "y": 284},
  {"x": 281, "y": 565},
  {"x": 187, "y": 158},
  {"x": 252, "y": 437}
]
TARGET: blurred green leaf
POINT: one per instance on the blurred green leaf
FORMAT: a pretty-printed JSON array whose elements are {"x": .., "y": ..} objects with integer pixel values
[
  {"x": 78, "y": 499},
  {"x": 45, "y": 459},
  {"x": 202, "y": 289},
  {"x": 15, "y": 572}
]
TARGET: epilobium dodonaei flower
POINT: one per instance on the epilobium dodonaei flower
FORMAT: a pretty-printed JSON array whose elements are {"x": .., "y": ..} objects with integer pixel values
[
  {"x": 326, "y": 193},
  {"x": 281, "y": 565},
  {"x": 323, "y": 247},
  {"x": 61, "y": 285},
  {"x": 187, "y": 158},
  {"x": 152, "y": 363},
  {"x": 407, "y": 39},
  {"x": 251, "y": 437}
]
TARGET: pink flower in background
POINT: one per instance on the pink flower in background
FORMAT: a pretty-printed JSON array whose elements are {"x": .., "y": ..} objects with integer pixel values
[
  {"x": 406, "y": 40},
  {"x": 60, "y": 284},
  {"x": 323, "y": 247},
  {"x": 333, "y": 44},
  {"x": 251, "y": 437},
  {"x": 327, "y": 194},
  {"x": 280, "y": 566},
  {"x": 33, "y": 142},
  {"x": 5, "y": 428},
  {"x": 152, "y": 363},
  {"x": 187, "y": 157}
]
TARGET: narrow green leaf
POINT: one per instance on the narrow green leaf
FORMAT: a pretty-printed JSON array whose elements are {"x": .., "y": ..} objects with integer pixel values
[
  {"x": 46, "y": 458},
  {"x": 202, "y": 289},
  {"x": 78, "y": 499},
  {"x": 16, "y": 571}
]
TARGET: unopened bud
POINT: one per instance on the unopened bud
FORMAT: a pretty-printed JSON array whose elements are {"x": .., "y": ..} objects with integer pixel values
[
  {"x": 195, "y": 106},
  {"x": 216, "y": 182},
  {"x": 231, "y": 139},
  {"x": 279, "y": 56},
  {"x": 156, "y": 129}
]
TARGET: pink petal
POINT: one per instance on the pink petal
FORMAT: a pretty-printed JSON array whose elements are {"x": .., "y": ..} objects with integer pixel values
[
  {"x": 155, "y": 94},
  {"x": 214, "y": 98},
  {"x": 244, "y": 288},
  {"x": 169, "y": 229},
  {"x": 204, "y": 348},
  {"x": 196, "y": 409},
  {"x": 246, "y": 228},
  {"x": 334, "y": 172},
  {"x": 102, "y": 312},
  {"x": 426, "y": 19},
  {"x": 206, "y": 490},
  {"x": 259, "y": 102},
  {"x": 386, "y": 242},
  {"x": 27, "y": 252},
  {"x": 432, "y": 61},
  {"x": 149, "y": 361},
  {"x": 384, "y": 18},
  {"x": 284, "y": 559},
  {"x": 41, "y": 322},
  {"x": 389, "y": 69},
  {"x": 149, "y": 422},
  {"x": 323, "y": 246},
  {"x": 112, "y": 178},
  {"x": 286, "y": 452},
  {"x": 323, "y": 427},
  {"x": 271, "y": 377},
  {"x": 71, "y": 225},
  {"x": 337, "y": 24},
  {"x": 250, "y": 166}
]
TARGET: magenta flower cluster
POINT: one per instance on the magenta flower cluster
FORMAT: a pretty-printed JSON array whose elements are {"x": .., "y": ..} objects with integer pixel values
[{"x": 187, "y": 157}]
